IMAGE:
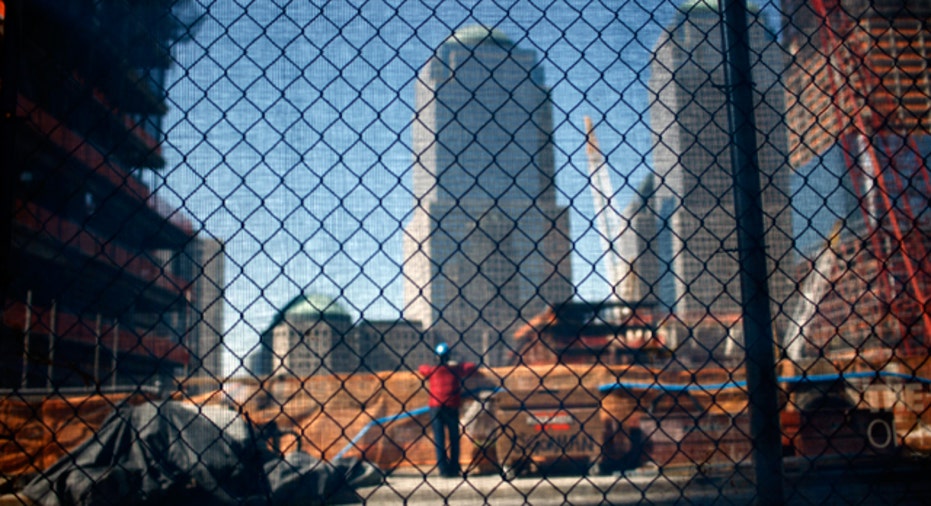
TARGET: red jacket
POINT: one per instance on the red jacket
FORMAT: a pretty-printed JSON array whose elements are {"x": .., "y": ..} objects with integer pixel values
[{"x": 446, "y": 382}]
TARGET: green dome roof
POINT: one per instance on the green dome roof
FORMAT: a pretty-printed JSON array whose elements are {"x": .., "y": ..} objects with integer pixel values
[
  {"x": 474, "y": 35},
  {"x": 313, "y": 305},
  {"x": 308, "y": 306}
]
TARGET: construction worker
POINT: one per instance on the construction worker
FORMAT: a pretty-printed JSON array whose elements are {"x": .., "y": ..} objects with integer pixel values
[{"x": 445, "y": 387}]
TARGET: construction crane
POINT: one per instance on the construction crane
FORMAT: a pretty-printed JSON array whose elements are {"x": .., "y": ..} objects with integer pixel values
[
  {"x": 608, "y": 219},
  {"x": 892, "y": 225}
]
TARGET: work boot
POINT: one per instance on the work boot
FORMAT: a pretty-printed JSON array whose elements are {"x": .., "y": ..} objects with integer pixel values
[{"x": 452, "y": 472}]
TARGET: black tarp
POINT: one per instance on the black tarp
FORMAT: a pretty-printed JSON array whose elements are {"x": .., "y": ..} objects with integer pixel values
[{"x": 175, "y": 453}]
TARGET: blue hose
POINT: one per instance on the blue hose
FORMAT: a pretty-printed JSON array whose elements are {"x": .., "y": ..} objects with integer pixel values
[
  {"x": 665, "y": 387},
  {"x": 814, "y": 378},
  {"x": 379, "y": 421},
  {"x": 400, "y": 416}
]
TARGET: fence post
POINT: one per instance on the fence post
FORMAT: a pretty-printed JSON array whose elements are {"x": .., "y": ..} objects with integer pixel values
[{"x": 757, "y": 321}]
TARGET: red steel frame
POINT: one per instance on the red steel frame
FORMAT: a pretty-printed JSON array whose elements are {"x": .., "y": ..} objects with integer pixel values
[{"x": 829, "y": 39}]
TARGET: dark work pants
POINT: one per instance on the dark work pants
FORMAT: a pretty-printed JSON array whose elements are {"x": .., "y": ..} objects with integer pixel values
[{"x": 443, "y": 420}]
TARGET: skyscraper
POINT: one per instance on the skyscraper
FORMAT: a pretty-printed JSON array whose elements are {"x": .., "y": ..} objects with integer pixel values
[
  {"x": 692, "y": 173},
  {"x": 487, "y": 246},
  {"x": 639, "y": 249},
  {"x": 206, "y": 346}
]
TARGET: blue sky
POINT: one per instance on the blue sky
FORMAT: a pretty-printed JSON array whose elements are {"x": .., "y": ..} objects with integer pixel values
[{"x": 289, "y": 129}]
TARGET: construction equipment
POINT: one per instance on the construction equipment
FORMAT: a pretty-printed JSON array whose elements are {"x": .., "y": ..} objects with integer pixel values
[{"x": 550, "y": 427}]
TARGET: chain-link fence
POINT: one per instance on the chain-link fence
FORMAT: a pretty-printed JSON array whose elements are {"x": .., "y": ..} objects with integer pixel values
[{"x": 274, "y": 252}]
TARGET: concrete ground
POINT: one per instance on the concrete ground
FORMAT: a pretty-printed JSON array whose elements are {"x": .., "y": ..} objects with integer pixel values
[
  {"x": 536, "y": 490},
  {"x": 829, "y": 481}
]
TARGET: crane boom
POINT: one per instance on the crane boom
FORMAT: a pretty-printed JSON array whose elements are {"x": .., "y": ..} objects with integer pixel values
[{"x": 608, "y": 219}]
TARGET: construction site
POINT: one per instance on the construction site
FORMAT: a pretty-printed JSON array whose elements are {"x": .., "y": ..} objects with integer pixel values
[{"x": 650, "y": 381}]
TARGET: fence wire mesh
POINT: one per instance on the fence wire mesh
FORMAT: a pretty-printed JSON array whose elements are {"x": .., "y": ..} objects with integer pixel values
[{"x": 274, "y": 252}]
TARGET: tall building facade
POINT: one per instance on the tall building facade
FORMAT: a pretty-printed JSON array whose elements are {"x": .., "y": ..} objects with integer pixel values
[
  {"x": 206, "y": 339},
  {"x": 397, "y": 345},
  {"x": 99, "y": 289},
  {"x": 858, "y": 91},
  {"x": 639, "y": 249},
  {"x": 693, "y": 183},
  {"x": 855, "y": 63},
  {"x": 487, "y": 246}
]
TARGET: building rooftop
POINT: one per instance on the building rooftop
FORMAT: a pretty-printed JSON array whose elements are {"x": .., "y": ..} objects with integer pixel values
[
  {"x": 313, "y": 305},
  {"x": 473, "y": 35},
  {"x": 309, "y": 306}
]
